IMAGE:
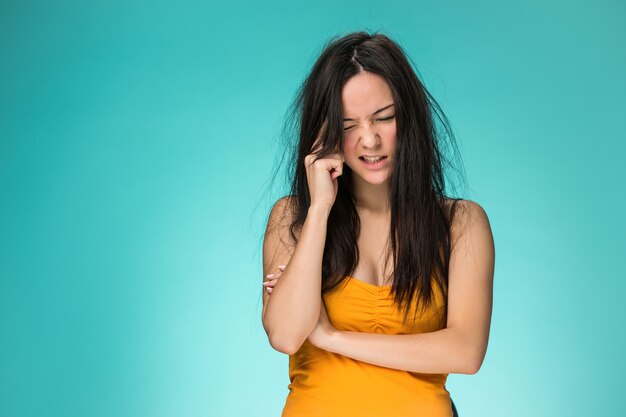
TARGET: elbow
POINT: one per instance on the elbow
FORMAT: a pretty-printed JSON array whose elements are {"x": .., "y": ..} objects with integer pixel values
[
  {"x": 285, "y": 340},
  {"x": 284, "y": 346},
  {"x": 473, "y": 363},
  {"x": 472, "y": 368},
  {"x": 284, "y": 343},
  {"x": 280, "y": 343}
]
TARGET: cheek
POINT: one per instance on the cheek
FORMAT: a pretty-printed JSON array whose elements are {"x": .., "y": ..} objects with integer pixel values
[
  {"x": 390, "y": 134},
  {"x": 390, "y": 131},
  {"x": 349, "y": 152},
  {"x": 348, "y": 147}
]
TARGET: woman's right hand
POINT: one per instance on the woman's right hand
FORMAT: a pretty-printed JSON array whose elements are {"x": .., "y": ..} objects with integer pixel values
[
  {"x": 322, "y": 174},
  {"x": 272, "y": 279}
]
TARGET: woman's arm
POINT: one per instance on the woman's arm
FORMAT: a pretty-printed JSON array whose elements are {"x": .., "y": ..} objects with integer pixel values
[
  {"x": 292, "y": 311},
  {"x": 462, "y": 345}
]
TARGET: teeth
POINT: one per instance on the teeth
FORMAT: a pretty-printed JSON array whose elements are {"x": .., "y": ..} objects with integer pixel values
[{"x": 372, "y": 160}]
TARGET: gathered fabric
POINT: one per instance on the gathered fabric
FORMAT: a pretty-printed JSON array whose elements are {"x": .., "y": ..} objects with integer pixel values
[{"x": 327, "y": 384}]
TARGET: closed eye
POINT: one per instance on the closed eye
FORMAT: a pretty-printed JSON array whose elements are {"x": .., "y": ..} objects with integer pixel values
[{"x": 383, "y": 119}]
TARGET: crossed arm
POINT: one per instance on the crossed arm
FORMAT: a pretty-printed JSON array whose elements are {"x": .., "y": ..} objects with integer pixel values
[
  {"x": 458, "y": 348},
  {"x": 462, "y": 345}
]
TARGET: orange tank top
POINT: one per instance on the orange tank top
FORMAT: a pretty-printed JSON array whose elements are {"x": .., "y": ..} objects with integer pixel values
[{"x": 326, "y": 384}]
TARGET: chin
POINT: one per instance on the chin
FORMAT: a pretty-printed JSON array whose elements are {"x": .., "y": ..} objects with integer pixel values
[
  {"x": 384, "y": 181},
  {"x": 378, "y": 178}
]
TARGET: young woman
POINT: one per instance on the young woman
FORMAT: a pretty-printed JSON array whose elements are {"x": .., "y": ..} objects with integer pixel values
[{"x": 378, "y": 285}]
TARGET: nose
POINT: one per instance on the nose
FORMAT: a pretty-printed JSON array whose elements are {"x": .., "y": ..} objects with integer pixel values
[{"x": 369, "y": 138}]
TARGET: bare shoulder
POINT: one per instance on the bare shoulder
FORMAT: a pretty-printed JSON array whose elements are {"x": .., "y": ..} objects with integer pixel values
[
  {"x": 470, "y": 230},
  {"x": 281, "y": 216},
  {"x": 470, "y": 215},
  {"x": 279, "y": 241},
  {"x": 467, "y": 214}
]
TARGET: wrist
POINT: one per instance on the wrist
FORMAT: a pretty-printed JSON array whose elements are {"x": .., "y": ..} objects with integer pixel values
[
  {"x": 331, "y": 340},
  {"x": 322, "y": 209}
]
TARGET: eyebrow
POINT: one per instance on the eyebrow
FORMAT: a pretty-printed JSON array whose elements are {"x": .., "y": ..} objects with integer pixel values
[{"x": 376, "y": 112}]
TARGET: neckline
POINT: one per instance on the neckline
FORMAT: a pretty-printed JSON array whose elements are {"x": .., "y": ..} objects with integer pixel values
[{"x": 366, "y": 284}]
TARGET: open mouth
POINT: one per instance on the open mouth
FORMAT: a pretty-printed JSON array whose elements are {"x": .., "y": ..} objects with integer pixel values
[{"x": 374, "y": 162}]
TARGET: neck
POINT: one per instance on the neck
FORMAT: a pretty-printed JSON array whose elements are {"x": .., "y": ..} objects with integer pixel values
[{"x": 373, "y": 198}]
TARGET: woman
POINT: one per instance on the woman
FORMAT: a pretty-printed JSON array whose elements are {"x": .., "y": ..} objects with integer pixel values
[{"x": 404, "y": 273}]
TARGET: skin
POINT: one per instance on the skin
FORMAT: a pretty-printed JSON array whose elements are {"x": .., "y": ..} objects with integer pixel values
[
  {"x": 461, "y": 346},
  {"x": 369, "y": 134}
]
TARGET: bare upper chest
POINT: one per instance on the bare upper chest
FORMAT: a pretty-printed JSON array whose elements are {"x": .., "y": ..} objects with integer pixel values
[{"x": 374, "y": 252}]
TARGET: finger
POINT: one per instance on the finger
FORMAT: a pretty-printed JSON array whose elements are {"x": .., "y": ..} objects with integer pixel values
[
  {"x": 269, "y": 289},
  {"x": 270, "y": 283},
  {"x": 276, "y": 274},
  {"x": 274, "y": 277},
  {"x": 338, "y": 156},
  {"x": 335, "y": 167}
]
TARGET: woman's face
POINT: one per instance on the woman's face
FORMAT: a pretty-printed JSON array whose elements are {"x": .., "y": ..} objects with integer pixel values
[{"x": 369, "y": 127}]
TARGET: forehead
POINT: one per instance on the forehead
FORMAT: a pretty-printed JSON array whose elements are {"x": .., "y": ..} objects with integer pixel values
[{"x": 365, "y": 93}]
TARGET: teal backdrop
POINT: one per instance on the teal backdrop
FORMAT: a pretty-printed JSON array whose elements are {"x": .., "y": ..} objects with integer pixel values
[{"x": 137, "y": 139}]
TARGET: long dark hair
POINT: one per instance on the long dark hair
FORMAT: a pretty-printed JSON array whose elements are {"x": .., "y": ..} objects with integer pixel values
[{"x": 420, "y": 217}]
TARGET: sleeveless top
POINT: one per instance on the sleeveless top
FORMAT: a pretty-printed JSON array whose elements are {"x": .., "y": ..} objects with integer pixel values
[{"x": 326, "y": 384}]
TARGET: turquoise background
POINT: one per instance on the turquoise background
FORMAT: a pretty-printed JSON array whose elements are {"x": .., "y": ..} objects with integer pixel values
[{"x": 136, "y": 139}]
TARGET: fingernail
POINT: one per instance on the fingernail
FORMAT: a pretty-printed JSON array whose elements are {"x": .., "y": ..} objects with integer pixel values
[
  {"x": 268, "y": 289},
  {"x": 281, "y": 266},
  {"x": 269, "y": 276},
  {"x": 266, "y": 283}
]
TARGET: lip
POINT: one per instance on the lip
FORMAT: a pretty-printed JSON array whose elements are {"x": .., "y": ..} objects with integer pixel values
[{"x": 377, "y": 165}]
